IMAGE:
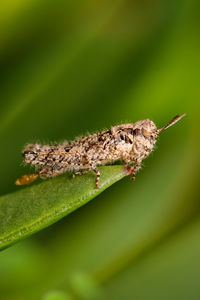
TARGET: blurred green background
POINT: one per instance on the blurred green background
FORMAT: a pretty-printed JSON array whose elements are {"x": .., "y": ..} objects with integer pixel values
[{"x": 73, "y": 67}]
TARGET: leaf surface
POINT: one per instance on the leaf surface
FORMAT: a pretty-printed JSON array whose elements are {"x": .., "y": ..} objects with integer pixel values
[{"x": 35, "y": 207}]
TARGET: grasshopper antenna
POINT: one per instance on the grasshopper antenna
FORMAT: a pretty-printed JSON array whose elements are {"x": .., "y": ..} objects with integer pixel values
[{"x": 171, "y": 123}]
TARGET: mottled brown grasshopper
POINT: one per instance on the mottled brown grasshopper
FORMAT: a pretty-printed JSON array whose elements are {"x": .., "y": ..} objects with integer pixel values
[{"x": 129, "y": 143}]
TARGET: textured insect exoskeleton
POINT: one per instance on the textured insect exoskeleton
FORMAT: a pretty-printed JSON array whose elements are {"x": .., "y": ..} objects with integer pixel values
[{"x": 128, "y": 143}]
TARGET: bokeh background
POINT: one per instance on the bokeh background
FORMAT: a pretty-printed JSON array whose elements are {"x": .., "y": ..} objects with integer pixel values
[{"x": 73, "y": 67}]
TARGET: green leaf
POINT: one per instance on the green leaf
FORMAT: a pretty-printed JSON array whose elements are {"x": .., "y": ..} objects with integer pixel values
[{"x": 31, "y": 209}]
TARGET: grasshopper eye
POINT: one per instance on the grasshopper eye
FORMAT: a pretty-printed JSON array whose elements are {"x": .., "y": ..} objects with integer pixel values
[{"x": 146, "y": 133}]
